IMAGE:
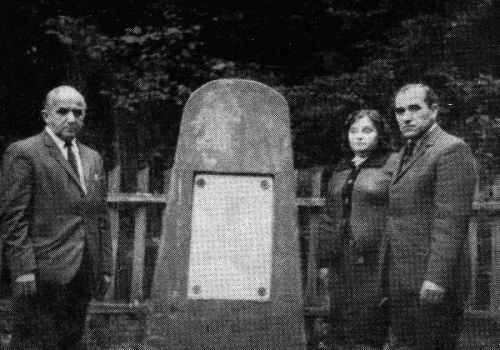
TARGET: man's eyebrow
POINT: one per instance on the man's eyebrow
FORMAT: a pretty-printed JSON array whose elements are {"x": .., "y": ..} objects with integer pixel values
[{"x": 412, "y": 105}]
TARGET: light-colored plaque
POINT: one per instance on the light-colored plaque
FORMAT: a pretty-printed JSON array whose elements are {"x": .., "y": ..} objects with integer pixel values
[{"x": 231, "y": 237}]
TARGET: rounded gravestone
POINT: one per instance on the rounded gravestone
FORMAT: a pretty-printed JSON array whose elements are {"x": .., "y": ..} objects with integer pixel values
[{"x": 228, "y": 271}]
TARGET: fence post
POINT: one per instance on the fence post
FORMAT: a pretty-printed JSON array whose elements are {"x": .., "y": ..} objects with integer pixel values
[
  {"x": 311, "y": 292},
  {"x": 136, "y": 290},
  {"x": 166, "y": 187},
  {"x": 473, "y": 251},
  {"x": 114, "y": 180},
  {"x": 495, "y": 261}
]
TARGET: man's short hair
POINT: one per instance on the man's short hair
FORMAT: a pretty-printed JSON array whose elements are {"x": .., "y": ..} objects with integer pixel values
[{"x": 430, "y": 96}]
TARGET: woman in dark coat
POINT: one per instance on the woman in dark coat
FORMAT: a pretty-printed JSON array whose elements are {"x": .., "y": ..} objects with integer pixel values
[{"x": 352, "y": 238}]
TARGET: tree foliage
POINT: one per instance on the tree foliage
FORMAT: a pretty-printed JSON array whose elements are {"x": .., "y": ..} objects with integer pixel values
[
  {"x": 139, "y": 61},
  {"x": 447, "y": 52},
  {"x": 142, "y": 64},
  {"x": 144, "y": 72}
]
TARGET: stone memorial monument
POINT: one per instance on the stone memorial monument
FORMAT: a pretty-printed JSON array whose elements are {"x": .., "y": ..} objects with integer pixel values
[{"x": 228, "y": 272}]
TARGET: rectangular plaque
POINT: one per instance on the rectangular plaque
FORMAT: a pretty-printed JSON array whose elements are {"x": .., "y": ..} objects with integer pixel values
[{"x": 230, "y": 253}]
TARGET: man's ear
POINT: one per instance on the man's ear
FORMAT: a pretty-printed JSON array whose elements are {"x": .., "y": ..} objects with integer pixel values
[
  {"x": 435, "y": 109},
  {"x": 44, "y": 115}
]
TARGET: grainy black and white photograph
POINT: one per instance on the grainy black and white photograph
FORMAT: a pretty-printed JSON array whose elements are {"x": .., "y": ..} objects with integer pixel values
[{"x": 254, "y": 175}]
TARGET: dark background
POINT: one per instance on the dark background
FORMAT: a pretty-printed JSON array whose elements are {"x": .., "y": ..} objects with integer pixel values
[{"x": 137, "y": 61}]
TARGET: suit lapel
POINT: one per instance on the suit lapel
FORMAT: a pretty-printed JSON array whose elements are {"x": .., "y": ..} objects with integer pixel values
[
  {"x": 55, "y": 153},
  {"x": 427, "y": 142},
  {"x": 400, "y": 164}
]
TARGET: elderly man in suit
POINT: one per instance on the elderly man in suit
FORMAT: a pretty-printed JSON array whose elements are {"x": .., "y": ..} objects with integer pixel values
[
  {"x": 430, "y": 201},
  {"x": 54, "y": 227}
]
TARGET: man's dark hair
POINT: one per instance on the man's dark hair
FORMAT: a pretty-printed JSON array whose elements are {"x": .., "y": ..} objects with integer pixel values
[{"x": 430, "y": 96}]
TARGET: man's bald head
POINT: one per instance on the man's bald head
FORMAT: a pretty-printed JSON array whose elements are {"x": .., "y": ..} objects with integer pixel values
[
  {"x": 63, "y": 93},
  {"x": 64, "y": 111}
]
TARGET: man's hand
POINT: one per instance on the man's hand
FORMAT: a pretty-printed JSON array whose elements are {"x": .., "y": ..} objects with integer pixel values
[
  {"x": 24, "y": 286},
  {"x": 431, "y": 293},
  {"x": 106, "y": 282},
  {"x": 103, "y": 289},
  {"x": 107, "y": 278}
]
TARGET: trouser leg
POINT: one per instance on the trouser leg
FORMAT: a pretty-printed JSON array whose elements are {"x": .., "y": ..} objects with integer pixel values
[
  {"x": 73, "y": 310},
  {"x": 429, "y": 327},
  {"x": 33, "y": 323}
]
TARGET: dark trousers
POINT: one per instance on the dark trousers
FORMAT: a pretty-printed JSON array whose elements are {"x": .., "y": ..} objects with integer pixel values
[
  {"x": 426, "y": 327},
  {"x": 54, "y": 318}
]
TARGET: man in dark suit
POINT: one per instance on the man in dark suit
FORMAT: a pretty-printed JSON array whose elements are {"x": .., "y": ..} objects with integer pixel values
[
  {"x": 54, "y": 227},
  {"x": 430, "y": 201}
]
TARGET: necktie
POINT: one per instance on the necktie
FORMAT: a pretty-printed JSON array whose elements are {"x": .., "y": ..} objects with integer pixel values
[
  {"x": 410, "y": 146},
  {"x": 71, "y": 156}
]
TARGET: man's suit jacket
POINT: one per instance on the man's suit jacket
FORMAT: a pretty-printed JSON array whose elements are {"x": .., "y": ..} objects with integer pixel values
[
  {"x": 430, "y": 203},
  {"x": 47, "y": 218}
]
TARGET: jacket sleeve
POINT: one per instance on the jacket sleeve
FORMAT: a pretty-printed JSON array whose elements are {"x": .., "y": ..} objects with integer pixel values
[
  {"x": 16, "y": 211},
  {"x": 329, "y": 245},
  {"x": 453, "y": 195}
]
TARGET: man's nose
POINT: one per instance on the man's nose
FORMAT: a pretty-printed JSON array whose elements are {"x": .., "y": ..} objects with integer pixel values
[
  {"x": 406, "y": 117},
  {"x": 71, "y": 117}
]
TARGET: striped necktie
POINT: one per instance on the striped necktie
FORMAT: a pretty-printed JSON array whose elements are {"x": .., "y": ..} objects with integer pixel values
[{"x": 71, "y": 157}]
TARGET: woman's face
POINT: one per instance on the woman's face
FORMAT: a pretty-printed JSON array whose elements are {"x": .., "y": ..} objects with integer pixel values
[{"x": 363, "y": 136}]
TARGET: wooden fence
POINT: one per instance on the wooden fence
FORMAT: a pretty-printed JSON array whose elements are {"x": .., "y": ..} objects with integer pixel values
[
  {"x": 148, "y": 211},
  {"x": 137, "y": 220},
  {"x": 309, "y": 205}
]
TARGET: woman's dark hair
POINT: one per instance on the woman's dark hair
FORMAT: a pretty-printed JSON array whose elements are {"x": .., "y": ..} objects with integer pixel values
[{"x": 380, "y": 124}]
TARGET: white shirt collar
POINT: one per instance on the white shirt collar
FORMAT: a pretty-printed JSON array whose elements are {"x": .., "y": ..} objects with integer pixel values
[
  {"x": 60, "y": 143},
  {"x": 357, "y": 160}
]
